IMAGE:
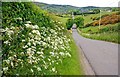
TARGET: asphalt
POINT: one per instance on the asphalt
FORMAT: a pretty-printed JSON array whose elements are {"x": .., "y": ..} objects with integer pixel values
[{"x": 102, "y": 56}]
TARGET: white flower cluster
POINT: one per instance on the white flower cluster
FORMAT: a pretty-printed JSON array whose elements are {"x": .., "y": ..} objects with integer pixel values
[{"x": 42, "y": 48}]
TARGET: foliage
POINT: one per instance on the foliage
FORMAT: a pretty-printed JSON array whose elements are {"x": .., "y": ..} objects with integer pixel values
[
  {"x": 107, "y": 33},
  {"x": 109, "y": 19},
  {"x": 69, "y": 23},
  {"x": 33, "y": 43},
  {"x": 79, "y": 21},
  {"x": 96, "y": 11},
  {"x": 105, "y": 19},
  {"x": 57, "y": 9}
]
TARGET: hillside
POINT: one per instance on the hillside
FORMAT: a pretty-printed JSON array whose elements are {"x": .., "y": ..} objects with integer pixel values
[
  {"x": 60, "y": 9},
  {"x": 105, "y": 19},
  {"x": 65, "y": 9}
]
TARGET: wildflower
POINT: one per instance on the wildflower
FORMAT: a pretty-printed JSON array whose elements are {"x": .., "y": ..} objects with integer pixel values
[
  {"x": 23, "y": 40},
  {"x": 6, "y": 42},
  {"x": 28, "y": 26},
  {"x": 29, "y": 52},
  {"x": 36, "y": 32},
  {"x": 40, "y": 53},
  {"x": 48, "y": 59},
  {"x": 7, "y": 61},
  {"x": 12, "y": 64},
  {"x": 25, "y": 46},
  {"x": 2, "y": 30},
  {"x": 61, "y": 53},
  {"x": 53, "y": 69},
  {"x": 39, "y": 69},
  {"x": 28, "y": 22},
  {"x": 68, "y": 54},
  {"x": 52, "y": 53},
  {"x": 11, "y": 58},
  {"x": 31, "y": 70},
  {"x": 10, "y": 32},
  {"x": 35, "y": 27},
  {"x": 18, "y": 18},
  {"x": 43, "y": 43},
  {"x": 29, "y": 44},
  {"x": 5, "y": 69},
  {"x": 17, "y": 74}
]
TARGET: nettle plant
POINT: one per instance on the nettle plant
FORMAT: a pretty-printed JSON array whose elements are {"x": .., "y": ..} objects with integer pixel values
[{"x": 31, "y": 49}]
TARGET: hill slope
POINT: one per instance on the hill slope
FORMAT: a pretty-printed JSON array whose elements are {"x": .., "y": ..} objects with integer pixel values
[
  {"x": 65, "y": 9},
  {"x": 60, "y": 9}
]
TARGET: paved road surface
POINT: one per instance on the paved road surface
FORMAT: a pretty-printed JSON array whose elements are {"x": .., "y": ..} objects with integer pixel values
[{"x": 103, "y": 56}]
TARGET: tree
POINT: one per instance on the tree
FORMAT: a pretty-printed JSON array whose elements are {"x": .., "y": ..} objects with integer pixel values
[
  {"x": 69, "y": 23},
  {"x": 79, "y": 21},
  {"x": 96, "y": 11}
]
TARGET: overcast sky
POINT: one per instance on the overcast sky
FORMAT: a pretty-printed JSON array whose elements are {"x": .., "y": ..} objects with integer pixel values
[{"x": 82, "y": 3}]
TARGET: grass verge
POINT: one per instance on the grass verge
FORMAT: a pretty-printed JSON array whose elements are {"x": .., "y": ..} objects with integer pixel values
[
  {"x": 71, "y": 66},
  {"x": 108, "y": 33}
]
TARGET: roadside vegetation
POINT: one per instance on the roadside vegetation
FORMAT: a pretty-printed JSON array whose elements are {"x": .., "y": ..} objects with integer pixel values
[
  {"x": 79, "y": 21},
  {"x": 71, "y": 66},
  {"x": 36, "y": 43},
  {"x": 107, "y": 31}
]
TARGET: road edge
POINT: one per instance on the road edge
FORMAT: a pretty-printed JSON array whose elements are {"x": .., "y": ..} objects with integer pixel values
[
  {"x": 85, "y": 63},
  {"x": 88, "y": 69}
]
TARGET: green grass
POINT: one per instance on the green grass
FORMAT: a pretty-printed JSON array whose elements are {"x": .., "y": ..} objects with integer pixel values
[
  {"x": 106, "y": 33},
  {"x": 63, "y": 20},
  {"x": 87, "y": 18},
  {"x": 71, "y": 66}
]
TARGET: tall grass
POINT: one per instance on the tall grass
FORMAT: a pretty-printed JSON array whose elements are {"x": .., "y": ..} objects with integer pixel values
[{"x": 106, "y": 33}]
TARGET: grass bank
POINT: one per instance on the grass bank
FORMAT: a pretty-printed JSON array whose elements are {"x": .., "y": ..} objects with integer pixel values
[
  {"x": 70, "y": 66},
  {"x": 108, "y": 33}
]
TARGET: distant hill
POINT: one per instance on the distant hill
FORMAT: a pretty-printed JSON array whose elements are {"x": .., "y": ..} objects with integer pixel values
[
  {"x": 60, "y": 9},
  {"x": 65, "y": 9}
]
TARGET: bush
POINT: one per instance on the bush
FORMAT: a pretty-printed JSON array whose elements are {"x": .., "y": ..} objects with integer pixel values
[
  {"x": 79, "y": 21},
  {"x": 33, "y": 43},
  {"x": 107, "y": 19},
  {"x": 69, "y": 23}
]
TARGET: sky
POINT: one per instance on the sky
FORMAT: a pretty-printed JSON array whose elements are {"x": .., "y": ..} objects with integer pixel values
[{"x": 83, "y": 3}]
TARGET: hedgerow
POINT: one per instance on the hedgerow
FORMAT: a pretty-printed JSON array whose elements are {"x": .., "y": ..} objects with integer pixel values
[{"x": 33, "y": 43}]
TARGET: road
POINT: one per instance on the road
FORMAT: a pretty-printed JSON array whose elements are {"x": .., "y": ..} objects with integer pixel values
[{"x": 102, "y": 56}]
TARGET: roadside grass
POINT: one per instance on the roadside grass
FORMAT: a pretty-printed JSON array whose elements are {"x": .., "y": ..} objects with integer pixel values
[
  {"x": 71, "y": 66},
  {"x": 106, "y": 33},
  {"x": 63, "y": 20}
]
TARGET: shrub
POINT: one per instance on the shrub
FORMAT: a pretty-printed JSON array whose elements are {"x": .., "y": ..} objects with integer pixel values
[
  {"x": 69, "y": 23},
  {"x": 107, "y": 19},
  {"x": 33, "y": 43},
  {"x": 79, "y": 21}
]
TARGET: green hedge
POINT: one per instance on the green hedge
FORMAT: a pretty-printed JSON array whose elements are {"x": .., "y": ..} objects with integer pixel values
[
  {"x": 79, "y": 21},
  {"x": 69, "y": 23},
  {"x": 33, "y": 43}
]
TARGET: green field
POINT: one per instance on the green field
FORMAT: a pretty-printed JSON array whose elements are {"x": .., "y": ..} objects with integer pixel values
[
  {"x": 87, "y": 18},
  {"x": 105, "y": 33}
]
